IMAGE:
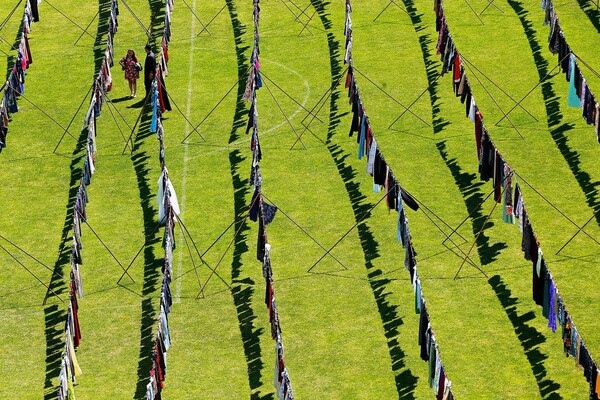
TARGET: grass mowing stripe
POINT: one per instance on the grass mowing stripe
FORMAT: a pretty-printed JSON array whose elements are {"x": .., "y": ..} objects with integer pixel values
[{"x": 176, "y": 297}]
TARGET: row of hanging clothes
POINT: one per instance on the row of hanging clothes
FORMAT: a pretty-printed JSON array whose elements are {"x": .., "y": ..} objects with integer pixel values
[
  {"x": 15, "y": 83},
  {"x": 264, "y": 213},
  {"x": 395, "y": 199},
  {"x": 168, "y": 212},
  {"x": 70, "y": 368},
  {"x": 492, "y": 166},
  {"x": 579, "y": 94}
]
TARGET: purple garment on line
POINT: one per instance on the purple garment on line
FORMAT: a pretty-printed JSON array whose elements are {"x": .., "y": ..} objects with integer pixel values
[{"x": 551, "y": 310}]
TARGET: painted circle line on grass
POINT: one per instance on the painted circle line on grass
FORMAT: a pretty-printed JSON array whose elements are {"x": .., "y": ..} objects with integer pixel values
[{"x": 269, "y": 130}]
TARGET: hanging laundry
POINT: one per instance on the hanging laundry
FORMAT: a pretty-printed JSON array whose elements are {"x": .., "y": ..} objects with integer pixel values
[
  {"x": 507, "y": 204},
  {"x": 417, "y": 295},
  {"x": 488, "y": 157},
  {"x": 498, "y": 178},
  {"x": 268, "y": 212},
  {"x": 432, "y": 360},
  {"x": 423, "y": 332},
  {"x": 528, "y": 243},
  {"x": 255, "y": 204},
  {"x": 167, "y": 198},
  {"x": 551, "y": 305}
]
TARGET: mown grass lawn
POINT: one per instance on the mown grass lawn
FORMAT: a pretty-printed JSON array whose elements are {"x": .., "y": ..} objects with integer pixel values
[{"x": 348, "y": 333}]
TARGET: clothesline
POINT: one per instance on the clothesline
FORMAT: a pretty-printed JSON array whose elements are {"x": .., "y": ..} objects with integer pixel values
[
  {"x": 264, "y": 213},
  {"x": 395, "y": 197},
  {"x": 69, "y": 369},
  {"x": 168, "y": 214},
  {"x": 493, "y": 166},
  {"x": 15, "y": 84},
  {"x": 580, "y": 94}
]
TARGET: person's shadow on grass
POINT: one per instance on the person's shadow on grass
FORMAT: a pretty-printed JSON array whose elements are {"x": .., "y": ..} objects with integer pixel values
[
  {"x": 120, "y": 99},
  {"x": 139, "y": 104}
]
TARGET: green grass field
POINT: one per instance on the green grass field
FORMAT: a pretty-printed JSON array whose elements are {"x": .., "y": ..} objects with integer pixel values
[{"x": 348, "y": 334}]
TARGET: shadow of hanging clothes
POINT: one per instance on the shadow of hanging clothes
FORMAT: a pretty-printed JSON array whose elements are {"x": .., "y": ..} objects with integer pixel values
[
  {"x": 592, "y": 10},
  {"x": 142, "y": 162},
  {"x": 529, "y": 337},
  {"x": 243, "y": 287},
  {"x": 558, "y": 128},
  {"x": 405, "y": 381},
  {"x": 470, "y": 188}
]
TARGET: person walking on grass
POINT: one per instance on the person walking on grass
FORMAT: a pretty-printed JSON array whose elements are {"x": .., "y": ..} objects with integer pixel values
[
  {"x": 130, "y": 65},
  {"x": 150, "y": 66}
]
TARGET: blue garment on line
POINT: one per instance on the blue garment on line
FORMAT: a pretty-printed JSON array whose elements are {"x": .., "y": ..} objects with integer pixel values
[
  {"x": 153, "y": 125},
  {"x": 572, "y": 100},
  {"x": 362, "y": 138},
  {"x": 417, "y": 296},
  {"x": 259, "y": 82},
  {"x": 552, "y": 311}
]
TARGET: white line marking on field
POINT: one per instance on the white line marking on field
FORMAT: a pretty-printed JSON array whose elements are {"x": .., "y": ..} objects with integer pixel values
[{"x": 177, "y": 298}]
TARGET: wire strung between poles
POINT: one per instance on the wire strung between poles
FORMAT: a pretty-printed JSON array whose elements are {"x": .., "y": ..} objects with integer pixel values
[
  {"x": 21, "y": 95},
  {"x": 106, "y": 247},
  {"x": 73, "y": 22},
  {"x": 305, "y": 232},
  {"x": 348, "y": 232},
  {"x": 244, "y": 76},
  {"x": 86, "y": 28},
  {"x": 73, "y": 118},
  {"x": 211, "y": 20},
  {"x": 548, "y": 75},
  {"x": 31, "y": 273}
]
